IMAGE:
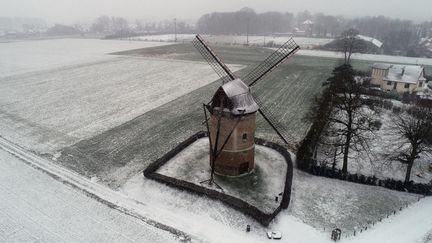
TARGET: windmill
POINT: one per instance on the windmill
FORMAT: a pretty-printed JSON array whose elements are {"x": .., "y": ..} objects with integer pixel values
[{"x": 231, "y": 121}]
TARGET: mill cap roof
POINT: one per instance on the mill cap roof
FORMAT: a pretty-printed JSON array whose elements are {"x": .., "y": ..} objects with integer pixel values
[{"x": 240, "y": 96}]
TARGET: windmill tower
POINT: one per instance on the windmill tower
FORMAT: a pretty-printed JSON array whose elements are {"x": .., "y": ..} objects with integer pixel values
[{"x": 233, "y": 108}]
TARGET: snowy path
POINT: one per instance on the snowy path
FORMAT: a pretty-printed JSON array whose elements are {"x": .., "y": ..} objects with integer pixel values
[
  {"x": 411, "y": 225},
  {"x": 37, "y": 208}
]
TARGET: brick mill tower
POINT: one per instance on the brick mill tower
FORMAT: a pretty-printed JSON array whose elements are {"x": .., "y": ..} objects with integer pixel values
[
  {"x": 233, "y": 115},
  {"x": 231, "y": 121}
]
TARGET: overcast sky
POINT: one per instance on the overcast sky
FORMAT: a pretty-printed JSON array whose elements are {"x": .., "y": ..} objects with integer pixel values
[{"x": 69, "y": 11}]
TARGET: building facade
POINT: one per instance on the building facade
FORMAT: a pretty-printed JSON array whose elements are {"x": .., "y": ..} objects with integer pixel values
[{"x": 398, "y": 78}]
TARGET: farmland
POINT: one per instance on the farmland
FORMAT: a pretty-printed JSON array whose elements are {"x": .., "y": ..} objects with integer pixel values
[
  {"x": 47, "y": 110},
  {"x": 107, "y": 117},
  {"x": 288, "y": 93},
  {"x": 304, "y": 42}
]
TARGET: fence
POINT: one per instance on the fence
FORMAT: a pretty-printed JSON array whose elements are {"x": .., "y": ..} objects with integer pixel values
[{"x": 358, "y": 230}]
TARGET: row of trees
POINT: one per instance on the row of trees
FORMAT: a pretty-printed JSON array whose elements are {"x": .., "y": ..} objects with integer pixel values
[
  {"x": 245, "y": 21},
  {"x": 350, "y": 126},
  {"x": 117, "y": 25},
  {"x": 398, "y": 36},
  {"x": 346, "y": 125},
  {"x": 120, "y": 27}
]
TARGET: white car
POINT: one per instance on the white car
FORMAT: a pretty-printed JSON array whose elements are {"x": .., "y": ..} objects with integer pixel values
[{"x": 276, "y": 235}]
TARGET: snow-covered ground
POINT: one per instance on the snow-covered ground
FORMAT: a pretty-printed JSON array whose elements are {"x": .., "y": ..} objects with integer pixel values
[
  {"x": 63, "y": 214},
  {"x": 258, "y": 189},
  {"x": 384, "y": 144},
  {"x": 28, "y": 56},
  {"x": 34, "y": 207},
  {"x": 56, "y": 101},
  {"x": 412, "y": 225},
  {"x": 304, "y": 42},
  {"x": 368, "y": 57},
  {"x": 53, "y": 108}
]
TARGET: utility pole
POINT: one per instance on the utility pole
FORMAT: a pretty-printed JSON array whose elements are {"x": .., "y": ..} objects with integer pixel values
[
  {"x": 175, "y": 29},
  {"x": 247, "y": 31}
]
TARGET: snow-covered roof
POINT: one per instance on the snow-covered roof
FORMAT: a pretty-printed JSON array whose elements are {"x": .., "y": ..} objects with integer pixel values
[
  {"x": 372, "y": 40},
  {"x": 410, "y": 74},
  {"x": 308, "y": 22},
  {"x": 239, "y": 94},
  {"x": 380, "y": 65}
]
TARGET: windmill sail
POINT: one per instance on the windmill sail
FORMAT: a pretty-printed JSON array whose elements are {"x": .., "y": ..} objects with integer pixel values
[
  {"x": 213, "y": 60},
  {"x": 271, "y": 119},
  {"x": 280, "y": 55}
]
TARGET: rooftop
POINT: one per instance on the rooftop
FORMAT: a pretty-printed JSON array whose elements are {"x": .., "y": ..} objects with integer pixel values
[
  {"x": 239, "y": 94},
  {"x": 402, "y": 73}
]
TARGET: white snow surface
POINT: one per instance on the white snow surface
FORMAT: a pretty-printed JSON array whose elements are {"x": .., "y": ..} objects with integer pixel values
[
  {"x": 199, "y": 219},
  {"x": 34, "y": 207},
  {"x": 67, "y": 102},
  {"x": 409, "y": 226},
  {"x": 374, "y": 41},
  {"x": 384, "y": 144},
  {"x": 303, "y": 42},
  {"x": 192, "y": 165},
  {"x": 25, "y": 56},
  {"x": 368, "y": 57},
  {"x": 63, "y": 214}
]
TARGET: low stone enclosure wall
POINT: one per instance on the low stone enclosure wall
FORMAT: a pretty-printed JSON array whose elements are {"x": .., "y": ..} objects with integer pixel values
[{"x": 236, "y": 203}]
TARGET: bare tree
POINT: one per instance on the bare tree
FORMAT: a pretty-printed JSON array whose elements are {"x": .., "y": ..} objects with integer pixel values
[
  {"x": 413, "y": 127},
  {"x": 102, "y": 25},
  {"x": 349, "y": 43},
  {"x": 350, "y": 124}
]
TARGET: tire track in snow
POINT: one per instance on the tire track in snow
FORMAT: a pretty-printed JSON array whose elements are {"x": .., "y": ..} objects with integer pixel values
[{"x": 100, "y": 193}]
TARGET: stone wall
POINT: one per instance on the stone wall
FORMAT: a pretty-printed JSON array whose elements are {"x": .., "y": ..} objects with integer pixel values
[{"x": 236, "y": 203}]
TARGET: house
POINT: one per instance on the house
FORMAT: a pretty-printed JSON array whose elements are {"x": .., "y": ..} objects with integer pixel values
[{"x": 398, "y": 78}]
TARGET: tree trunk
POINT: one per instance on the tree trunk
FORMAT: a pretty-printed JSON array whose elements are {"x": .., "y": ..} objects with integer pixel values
[
  {"x": 408, "y": 172},
  {"x": 345, "y": 156},
  {"x": 347, "y": 145},
  {"x": 411, "y": 162}
]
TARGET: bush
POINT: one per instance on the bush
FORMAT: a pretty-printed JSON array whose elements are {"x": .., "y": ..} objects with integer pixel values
[
  {"x": 418, "y": 188},
  {"x": 376, "y": 124}
]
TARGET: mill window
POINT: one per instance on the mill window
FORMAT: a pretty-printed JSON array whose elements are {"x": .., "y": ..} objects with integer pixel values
[
  {"x": 389, "y": 83},
  {"x": 406, "y": 86},
  {"x": 421, "y": 84},
  {"x": 244, "y": 136}
]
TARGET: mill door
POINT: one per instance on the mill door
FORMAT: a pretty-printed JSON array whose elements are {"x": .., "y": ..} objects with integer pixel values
[
  {"x": 394, "y": 85},
  {"x": 244, "y": 168}
]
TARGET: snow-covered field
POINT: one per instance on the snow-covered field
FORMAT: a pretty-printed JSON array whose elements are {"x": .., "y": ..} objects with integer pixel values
[
  {"x": 53, "y": 108},
  {"x": 26, "y": 56},
  {"x": 304, "y": 42},
  {"x": 37, "y": 208},
  {"x": 413, "y": 225},
  {"x": 56, "y": 100},
  {"x": 198, "y": 217},
  {"x": 368, "y": 57}
]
